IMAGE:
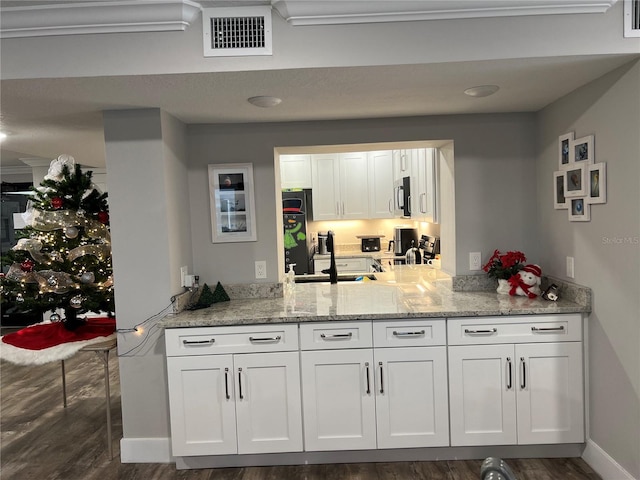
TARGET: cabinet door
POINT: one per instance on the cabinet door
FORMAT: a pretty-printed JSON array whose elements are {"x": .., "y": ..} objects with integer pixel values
[
  {"x": 338, "y": 399},
  {"x": 411, "y": 397},
  {"x": 550, "y": 393},
  {"x": 201, "y": 402},
  {"x": 380, "y": 184},
  {"x": 269, "y": 414},
  {"x": 295, "y": 171},
  {"x": 354, "y": 186},
  {"x": 482, "y": 395},
  {"x": 326, "y": 187},
  {"x": 424, "y": 185},
  {"x": 401, "y": 164}
]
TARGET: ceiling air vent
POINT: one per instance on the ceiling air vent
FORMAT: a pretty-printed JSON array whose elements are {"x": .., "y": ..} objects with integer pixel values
[
  {"x": 632, "y": 18},
  {"x": 240, "y": 31}
]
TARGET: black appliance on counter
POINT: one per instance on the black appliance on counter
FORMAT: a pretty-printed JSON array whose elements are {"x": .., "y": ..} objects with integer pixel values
[
  {"x": 404, "y": 238},
  {"x": 402, "y": 198},
  {"x": 298, "y": 249},
  {"x": 370, "y": 243},
  {"x": 430, "y": 247}
]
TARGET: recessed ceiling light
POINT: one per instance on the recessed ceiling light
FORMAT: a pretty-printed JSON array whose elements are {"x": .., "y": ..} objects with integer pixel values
[
  {"x": 482, "y": 90},
  {"x": 264, "y": 101},
  {"x": 2, "y": 136}
]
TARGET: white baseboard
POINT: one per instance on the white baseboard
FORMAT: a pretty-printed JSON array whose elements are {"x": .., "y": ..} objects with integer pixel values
[
  {"x": 146, "y": 450},
  {"x": 603, "y": 464}
]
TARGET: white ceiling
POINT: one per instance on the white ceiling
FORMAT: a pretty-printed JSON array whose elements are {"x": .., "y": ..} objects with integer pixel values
[{"x": 47, "y": 117}]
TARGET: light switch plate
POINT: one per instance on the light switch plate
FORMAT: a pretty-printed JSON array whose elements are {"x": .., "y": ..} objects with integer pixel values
[{"x": 570, "y": 270}]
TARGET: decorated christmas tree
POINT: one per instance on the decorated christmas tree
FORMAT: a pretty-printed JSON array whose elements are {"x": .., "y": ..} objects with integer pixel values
[{"x": 63, "y": 260}]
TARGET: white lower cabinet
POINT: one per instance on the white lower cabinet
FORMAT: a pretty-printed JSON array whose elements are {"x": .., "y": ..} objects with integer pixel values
[
  {"x": 393, "y": 395},
  {"x": 411, "y": 397},
  {"x": 234, "y": 403},
  {"x": 338, "y": 399},
  {"x": 384, "y": 384},
  {"x": 516, "y": 393}
]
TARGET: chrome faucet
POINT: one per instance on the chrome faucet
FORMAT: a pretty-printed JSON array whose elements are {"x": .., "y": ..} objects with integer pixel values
[{"x": 332, "y": 271}]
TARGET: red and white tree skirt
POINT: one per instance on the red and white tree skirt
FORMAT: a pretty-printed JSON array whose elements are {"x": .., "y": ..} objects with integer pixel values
[{"x": 51, "y": 341}]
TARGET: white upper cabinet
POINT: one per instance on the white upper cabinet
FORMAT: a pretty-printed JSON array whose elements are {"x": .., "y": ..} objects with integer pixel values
[
  {"x": 401, "y": 164},
  {"x": 424, "y": 185},
  {"x": 295, "y": 171},
  {"x": 381, "y": 184},
  {"x": 340, "y": 186}
]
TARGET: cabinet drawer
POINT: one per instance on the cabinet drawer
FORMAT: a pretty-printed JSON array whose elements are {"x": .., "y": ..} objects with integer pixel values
[
  {"x": 344, "y": 265},
  {"x": 222, "y": 340},
  {"x": 335, "y": 335},
  {"x": 409, "y": 333},
  {"x": 516, "y": 329}
]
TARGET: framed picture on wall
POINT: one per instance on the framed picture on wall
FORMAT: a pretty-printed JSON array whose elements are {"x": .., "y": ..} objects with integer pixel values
[
  {"x": 233, "y": 212},
  {"x": 559, "y": 198},
  {"x": 579, "y": 210},
  {"x": 582, "y": 150},
  {"x": 597, "y": 179},
  {"x": 564, "y": 150},
  {"x": 575, "y": 181}
]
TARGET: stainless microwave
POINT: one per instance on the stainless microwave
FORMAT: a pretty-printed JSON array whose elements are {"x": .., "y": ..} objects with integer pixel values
[{"x": 402, "y": 197}]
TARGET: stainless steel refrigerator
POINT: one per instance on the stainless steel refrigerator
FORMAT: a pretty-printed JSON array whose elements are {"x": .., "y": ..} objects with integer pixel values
[{"x": 298, "y": 249}]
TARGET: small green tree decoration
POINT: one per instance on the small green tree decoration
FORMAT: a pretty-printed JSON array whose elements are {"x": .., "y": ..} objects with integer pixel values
[{"x": 64, "y": 260}]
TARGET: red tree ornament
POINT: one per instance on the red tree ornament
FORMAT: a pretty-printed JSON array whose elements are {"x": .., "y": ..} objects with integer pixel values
[
  {"x": 57, "y": 202},
  {"x": 27, "y": 265},
  {"x": 103, "y": 217}
]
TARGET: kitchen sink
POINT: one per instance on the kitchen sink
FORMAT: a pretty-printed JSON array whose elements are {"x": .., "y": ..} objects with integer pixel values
[{"x": 325, "y": 278}]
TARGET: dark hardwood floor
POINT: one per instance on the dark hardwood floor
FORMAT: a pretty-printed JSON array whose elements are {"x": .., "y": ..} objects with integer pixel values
[{"x": 41, "y": 440}]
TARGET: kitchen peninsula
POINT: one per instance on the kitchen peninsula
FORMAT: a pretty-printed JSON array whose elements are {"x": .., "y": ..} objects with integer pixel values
[{"x": 400, "y": 367}]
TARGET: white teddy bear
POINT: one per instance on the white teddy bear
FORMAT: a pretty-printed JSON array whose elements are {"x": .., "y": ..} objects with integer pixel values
[{"x": 526, "y": 282}]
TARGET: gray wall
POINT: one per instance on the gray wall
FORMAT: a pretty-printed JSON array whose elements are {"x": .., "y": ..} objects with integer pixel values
[
  {"x": 145, "y": 151},
  {"x": 606, "y": 250},
  {"x": 494, "y": 189}
]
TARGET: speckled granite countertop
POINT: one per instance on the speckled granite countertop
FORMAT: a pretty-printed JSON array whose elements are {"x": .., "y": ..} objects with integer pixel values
[{"x": 405, "y": 292}]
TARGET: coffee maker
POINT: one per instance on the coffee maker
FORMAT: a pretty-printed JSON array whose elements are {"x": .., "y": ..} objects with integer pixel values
[{"x": 404, "y": 238}]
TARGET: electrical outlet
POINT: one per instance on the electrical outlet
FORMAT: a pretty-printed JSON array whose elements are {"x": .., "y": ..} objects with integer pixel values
[
  {"x": 570, "y": 270},
  {"x": 475, "y": 260},
  {"x": 183, "y": 276},
  {"x": 261, "y": 269}
]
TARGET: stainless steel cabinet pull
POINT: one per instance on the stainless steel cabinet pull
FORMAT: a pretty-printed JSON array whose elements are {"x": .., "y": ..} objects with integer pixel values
[
  {"x": 523, "y": 379},
  {"x": 390, "y": 209},
  {"x": 337, "y": 336},
  {"x": 265, "y": 339},
  {"x": 423, "y": 205},
  {"x": 381, "y": 379},
  {"x": 409, "y": 204},
  {"x": 548, "y": 329},
  {"x": 368, "y": 379},
  {"x": 198, "y": 342},
  {"x": 480, "y": 332},
  {"x": 240, "y": 383},
  {"x": 226, "y": 383},
  {"x": 510, "y": 377},
  {"x": 408, "y": 334}
]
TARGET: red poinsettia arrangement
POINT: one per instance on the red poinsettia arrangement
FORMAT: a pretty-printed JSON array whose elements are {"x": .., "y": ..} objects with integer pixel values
[{"x": 504, "y": 265}]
